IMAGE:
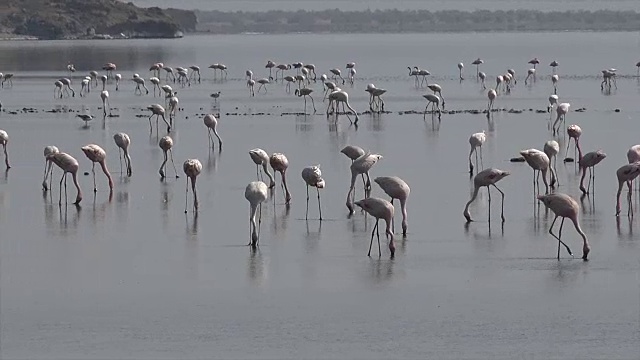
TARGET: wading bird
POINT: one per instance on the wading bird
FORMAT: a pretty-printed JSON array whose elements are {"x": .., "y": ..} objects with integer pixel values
[
  {"x": 123, "y": 141},
  {"x": 379, "y": 209},
  {"x": 280, "y": 163},
  {"x": 68, "y": 164},
  {"x": 488, "y": 177},
  {"x": 539, "y": 162},
  {"x": 476, "y": 141},
  {"x": 312, "y": 176},
  {"x": 211, "y": 123},
  {"x": 256, "y": 193},
  {"x": 4, "y": 139},
  {"x": 166, "y": 144},
  {"x": 261, "y": 158},
  {"x": 564, "y": 206},
  {"x": 361, "y": 166},
  {"x": 191, "y": 168},
  {"x": 48, "y": 166},
  {"x": 626, "y": 174},
  {"x": 396, "y": 188},
  {"x": 97, "y": 155}
]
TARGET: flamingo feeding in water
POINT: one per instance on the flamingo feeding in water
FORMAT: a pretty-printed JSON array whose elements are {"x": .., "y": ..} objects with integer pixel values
[
  {"x": 565, "y": 206},
  {"x": 104, "y": 95},
  {"x": 211, "y": 123},
  {"x": 4, "y": 139},
  {"x": 312, "y": 176},
  {"x": 561, "y": 111},
  {"x": 361, "y": 166},
  {"x": 97, "y": 155},
  {"x": 488, "y": 177},
  {"x": 341, "y": 97},
  {"x": 166, "y": 144},
  {"x": 477, "y": 63},
  {"x": 191, "y": 168},
  {"x": 261, "y": 158},
  {"x": 379, "y": 209},
  {"x": 476, "y": 141},
  {"x": 626, "y": 174},
  {"x": 68, "y": 164},
  {"x": 434, "y": 101},
  {"x": 306, "y": 92},
  {"x": 396, "y": 188},
  {"x": 552, "y": 148},
  {"x": 123, "y": 141},
  {"x": 256, "y": 193},
  {"x": 158, "y": 111},
  {"x": 538, "y": 161},
  {"x": 280, "y": 163},
  {"x": 48, "y": 165}
]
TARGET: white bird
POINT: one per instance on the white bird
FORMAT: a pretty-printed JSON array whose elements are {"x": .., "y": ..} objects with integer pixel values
[
  {"x": 158, "y": 111},
  {"x": 261, "y": 158},
  {"x": 530, "y": 73},
  {"x": 554, "y": 81},
  {"x": 104, "y": 95},
  {"x": 341, "y": 97},
  {"x": 552, "y": 148},
  {"x": 68, "y": 164},
  {"x": 86, "y": 118},
  {"x": 564, "y": 206},
  {"x": 380, "y": 209},
  {"x": 173, "y": 106},
  {"x": 487, "y": 177},
  {"x": 626, "y": 174},
  {"x": 118, "y": 77},
  {"x": 97, "y": 155},
  {"x": 166, "y": 144},
  {"x": 191, "y": 168},
  {"x": 211, "y": 123},
  {"x": 538, "y": 161},
  {"x": 263, "y": 83},
  {"x": 434, "y": 101},
  {"x": 256, "y": 193},
  {"x": 396, "y": 188},
  {"x": 476, "y": 141},
  {"x": 561, "y": 111},
  {"x": 4, "y": 139},
  {"x": 123, "y": 141},
  {"x": 306, "y": 92},
  {"x": 280, "y": 163},
  {"x": 491, "y": 94},
  {"x": 48, "y": 166},
  {"x": 195, "y": 70},
  {"x": 156, "y": 85},
  {"x": 66, "y": 82},
  {"x": 312, "y": 176},
  {"x": 361, "y": 166},
  {"x": 460, "y": 67},
  {"x": 553, "y": 100},
  {"x": 139, "y": 82}
]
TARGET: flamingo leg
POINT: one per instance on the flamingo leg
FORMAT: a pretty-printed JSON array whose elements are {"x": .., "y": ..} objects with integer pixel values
[
  {"x": 319, "y": 206},
  {"x": 186, "y": 195},
  {"x": 161, "y": 171},
  {"x": 93, "y": 171},
  {"x": 501, "y": 193},
  {"x": 559, "y": 236},
  {"x": 371, "y": 242},
  {"x": 306, "y": 216},
  {"x": 173, "y": 163}
]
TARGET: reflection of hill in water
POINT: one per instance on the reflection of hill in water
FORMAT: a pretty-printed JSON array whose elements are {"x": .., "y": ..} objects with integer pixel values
[
  {"x": 361, "y": 5},
  {"x": 396, "y": 21}
]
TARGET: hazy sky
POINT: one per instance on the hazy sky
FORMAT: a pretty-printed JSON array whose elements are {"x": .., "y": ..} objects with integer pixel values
[{"x": 433, "y": 5}]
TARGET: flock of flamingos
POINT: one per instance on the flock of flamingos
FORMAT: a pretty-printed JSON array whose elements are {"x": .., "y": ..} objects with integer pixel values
[{"x": 541, "y": 161}]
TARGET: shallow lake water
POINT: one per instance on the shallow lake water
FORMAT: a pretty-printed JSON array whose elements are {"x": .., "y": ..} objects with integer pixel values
[{"x": 132, "y": 276}]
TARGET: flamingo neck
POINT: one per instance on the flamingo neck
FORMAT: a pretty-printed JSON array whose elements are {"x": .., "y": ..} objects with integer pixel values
[{"x": 103, "y": 165}]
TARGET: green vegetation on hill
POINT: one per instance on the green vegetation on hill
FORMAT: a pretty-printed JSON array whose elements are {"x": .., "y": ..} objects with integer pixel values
[
  {"x": 58, "y": 19},
  {"x": 396, "y": 21}
]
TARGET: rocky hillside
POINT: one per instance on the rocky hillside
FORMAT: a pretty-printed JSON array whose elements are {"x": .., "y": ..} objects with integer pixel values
[{"x": 59, "y": 19}]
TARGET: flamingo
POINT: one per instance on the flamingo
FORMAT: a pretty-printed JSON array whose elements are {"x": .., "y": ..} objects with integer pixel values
[
  {"x": 103, "y": 80},
  {"x": 633, "y": 154},
  {"x": 191, "y": 168},
  {"x": 482, "y": 76},
  {"x": 158, "y": 111},
  {"x": 97, "y": 155},
  {"x": 460, "y": 67},
  {"x": 109, "y": 68},
  {"x": 249, "y": 74},
  {"x": 487, "y": 177},
  {"x": 4, "y": 139},
  {"x": 312, "y": 176},
  {"x": 380, "y": 209},
  {"x": 270, "y": 65},
  {"x": 94, "y": 77},
  {"x": 337, "y": 74},
  {"x": 329, "y": 87},
  {"x": 282, "y": 68},
  {"x": 553, "y": 100},
  {"x": 104, "y": 95},
  {"x": 155, "y": 68},
  {"x": 71, "y": 68},
  {"x": 565, "y": 206},
  {"x": 574, "y": 131},
  {"x": 58, "y": 88},
  {"x": 312, "y": 70},
  {"x": 66, "y": 82},
  {"x": 250, "y": 84},
  {"x": 48, "y": 165},
  {"x": 552, "y": 148},
  {"x": 156, "y": 85},
  {"x": 338, "y": 97},
  {"x": 353, "y": 152},
  {"x": 280, "y": 163},
  {"x": 530, "y": 73},
  {"x": 68, "y": 164},
  {"x": 166, "y": 144},
  {"x": 589, "y": 160},
  {"x": 118, "y": 77},
  {"x": 260, "y": 157},
  {"x": 561, "y": 111},
  {"x": 414, "y": 72},
  {"x": 554, "y": 81},
  {"x": 195, "y": 70},
  {"x": 215, "y": 96},
  {"x": 263, "y": 83},
  {"x": 7, "y": 77},
  {"x": 626, "y": 174},
  {"x": 298, "y": 66},
  {"x": 256, "y": 193},
  {"x": 289, "y": 79},
  {"x": 84, "y": 86},
  {"x": 123, "y": 141},
  {"x": 173, "y": 106},
  {"x": 534, "y": 62},
  {"x": 491, "y": 94},
  {"x": 361, "y": 166},
  {"x": 554, "y": 64},
  {"x": 169, "y": 73},
  {"x": 396, "y": 188},
  {"x": 211, "y": 123},
  {"x": 499, "y": 80},
  {"x": 539, "y": 161},
  {"x": 434, "y": 101},
  {"x": 306, "y": 92},
  {"x": 139, "y": 82},
  {"x": 477, "y": 63},
  {"x": 437, "y": 89},
  {"x": 352, "y": 75},
  {"x": 476, "y": 141},
  {"x": 86, "y": 118}
]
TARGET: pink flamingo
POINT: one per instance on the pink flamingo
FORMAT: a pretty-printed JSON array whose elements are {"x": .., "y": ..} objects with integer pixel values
[
  {"x": 396, "y": 188},
  {"x": 476, "y": 141},
  {"x": 48, "y": 165},
  {"x": 4, "y": 139},
  {"x": 312, "y": 176},
  {"x": 539, "y": 161},
  {"x": 123, "y": 141},
  {"x": 261, "y": 158},
  {"x": 589, "y": 160},
  {"x": 256, "y": 193},
  {"x": 97, "y": 155},
  {"x": 552, "y": 148},
  {"x": 380, "y": 209},
  {"x": 487, "y": 177},
  {"x": 361, "y": 166},
  {"x": 574, "y": 132},
  {"x": 280, "y": 163},
  {"x": 211, "y": 123},
  {"x": 561, "y": 111},
  {"x": 191, "y": 168},
  {"x": 166, "y": 144},
  {"x": 626, "y": 174},
  {"x": 68, "y": 164},
  {"x": 564, "y": 206}
]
